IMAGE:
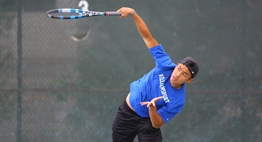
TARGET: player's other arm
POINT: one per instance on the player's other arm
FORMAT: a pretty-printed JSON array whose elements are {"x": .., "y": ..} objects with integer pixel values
[
  {"x": 155, "y": 118},
  {"x": 141, "y": 26}
]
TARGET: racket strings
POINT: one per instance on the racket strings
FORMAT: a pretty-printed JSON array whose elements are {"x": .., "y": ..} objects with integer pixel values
[{"x": 67, "y": 15}]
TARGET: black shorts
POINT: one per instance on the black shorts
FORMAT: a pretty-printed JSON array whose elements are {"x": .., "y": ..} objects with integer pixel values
[{"x": 128, "y": 124}]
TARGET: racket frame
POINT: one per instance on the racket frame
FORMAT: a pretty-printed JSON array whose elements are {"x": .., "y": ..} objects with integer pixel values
[{"x": 80, "y": 13}]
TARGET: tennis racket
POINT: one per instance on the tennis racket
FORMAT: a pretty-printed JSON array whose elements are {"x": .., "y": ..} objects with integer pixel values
[{"x": 69, "y": 13}]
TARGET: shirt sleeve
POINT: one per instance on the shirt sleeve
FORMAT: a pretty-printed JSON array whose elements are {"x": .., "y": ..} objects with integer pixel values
[
  {"x": 167, "y": 113},
  {"x": 161, "y": 57}
]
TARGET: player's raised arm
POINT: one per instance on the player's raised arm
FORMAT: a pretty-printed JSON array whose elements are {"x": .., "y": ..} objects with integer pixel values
[{"x": 141, "y": 26}]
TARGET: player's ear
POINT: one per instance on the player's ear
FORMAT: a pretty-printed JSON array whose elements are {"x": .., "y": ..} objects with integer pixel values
[{"x": 190, "y": 80}]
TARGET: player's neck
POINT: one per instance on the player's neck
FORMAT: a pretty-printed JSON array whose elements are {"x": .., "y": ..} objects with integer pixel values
[{"x": 176, "y": 86}]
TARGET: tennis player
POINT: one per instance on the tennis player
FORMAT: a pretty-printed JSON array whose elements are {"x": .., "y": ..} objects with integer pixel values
[{"x": 155, "y": 98}]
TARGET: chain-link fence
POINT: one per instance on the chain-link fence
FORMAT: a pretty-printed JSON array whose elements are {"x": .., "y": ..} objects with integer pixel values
[{"x": 63, "y": 80}]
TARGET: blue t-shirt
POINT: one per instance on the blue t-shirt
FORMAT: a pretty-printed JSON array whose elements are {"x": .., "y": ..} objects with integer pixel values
[{"x": 157, "y": 83}]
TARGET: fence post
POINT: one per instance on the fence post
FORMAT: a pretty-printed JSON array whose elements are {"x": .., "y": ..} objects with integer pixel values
[{"x": 19, "y": 70}]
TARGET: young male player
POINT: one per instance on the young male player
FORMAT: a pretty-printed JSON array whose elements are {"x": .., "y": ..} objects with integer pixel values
[{"x": 155, "y": 98}]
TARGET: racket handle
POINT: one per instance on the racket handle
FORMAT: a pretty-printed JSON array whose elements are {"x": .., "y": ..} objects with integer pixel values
[{"x": 113, "y": 13}]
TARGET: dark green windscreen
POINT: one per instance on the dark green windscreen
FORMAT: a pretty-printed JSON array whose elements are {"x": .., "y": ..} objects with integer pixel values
[{"x": 62, "y": 80}]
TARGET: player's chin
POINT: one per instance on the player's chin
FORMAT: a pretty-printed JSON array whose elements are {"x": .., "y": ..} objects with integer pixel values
[
  {"x": 174, "y": 83},
  {"x": 175, "y": 80}
]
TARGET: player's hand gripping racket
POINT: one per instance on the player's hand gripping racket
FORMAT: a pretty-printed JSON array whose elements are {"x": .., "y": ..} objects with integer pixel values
[{"x": 69, "y": 13}]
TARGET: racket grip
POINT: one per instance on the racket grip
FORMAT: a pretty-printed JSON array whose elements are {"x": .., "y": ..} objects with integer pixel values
[{"x": 113, "y": 13}]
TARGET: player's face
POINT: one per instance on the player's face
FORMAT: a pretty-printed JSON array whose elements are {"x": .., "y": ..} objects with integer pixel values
[{"x": 180, "y": 75}]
